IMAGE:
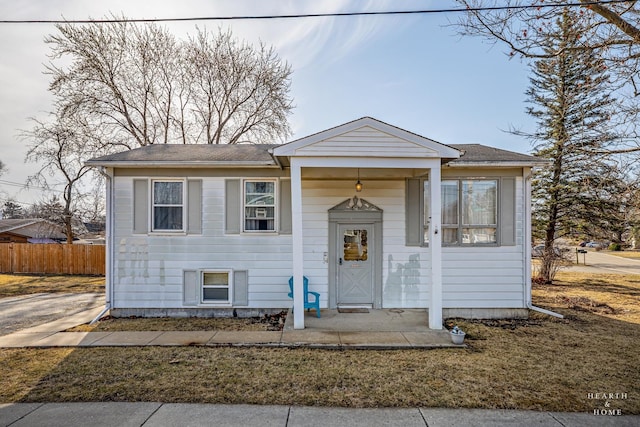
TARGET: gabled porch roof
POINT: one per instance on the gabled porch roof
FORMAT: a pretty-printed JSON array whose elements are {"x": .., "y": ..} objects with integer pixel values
[{"x": 366, "y": 137}]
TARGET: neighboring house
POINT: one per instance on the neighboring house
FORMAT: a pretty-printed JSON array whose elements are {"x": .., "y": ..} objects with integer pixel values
[
  {"x": 32, "y": 230},
  {"x": 198, "y": 229}
]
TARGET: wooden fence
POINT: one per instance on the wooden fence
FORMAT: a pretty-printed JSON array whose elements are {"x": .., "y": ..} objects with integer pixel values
[{"x": 52, "y": 258}]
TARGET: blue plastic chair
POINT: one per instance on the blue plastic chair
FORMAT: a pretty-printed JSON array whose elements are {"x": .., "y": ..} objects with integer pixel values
[{"x": 307, "y": 304}]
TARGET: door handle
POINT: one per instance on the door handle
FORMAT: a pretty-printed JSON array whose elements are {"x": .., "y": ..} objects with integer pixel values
[{"x": 340, "y": 261}]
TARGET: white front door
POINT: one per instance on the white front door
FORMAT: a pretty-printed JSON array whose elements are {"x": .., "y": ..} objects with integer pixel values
[{"x": 356, "y": 249}]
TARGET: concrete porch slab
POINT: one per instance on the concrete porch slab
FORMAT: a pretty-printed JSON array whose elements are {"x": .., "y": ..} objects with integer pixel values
[{"x": 383, "y": 320}]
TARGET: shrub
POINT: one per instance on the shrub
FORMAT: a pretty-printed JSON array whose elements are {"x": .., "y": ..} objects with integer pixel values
[{"x": 615, "y": 247}]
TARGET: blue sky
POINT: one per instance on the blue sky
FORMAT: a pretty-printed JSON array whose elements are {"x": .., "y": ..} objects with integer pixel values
[{"x": 411, "y": 71}]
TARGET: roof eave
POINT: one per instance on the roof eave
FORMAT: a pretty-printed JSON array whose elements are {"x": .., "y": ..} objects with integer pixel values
[
  {"x": 493, "y": 164},
  {"x": 180, "y": 164}
]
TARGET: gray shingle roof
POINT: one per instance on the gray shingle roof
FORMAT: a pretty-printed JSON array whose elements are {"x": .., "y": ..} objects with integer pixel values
[
  {"x": 193, "y": 154},
  {"x": 258, "y": 155},
  {"x": 31, "y": 227},
  {"x": 478, "y": 154}
]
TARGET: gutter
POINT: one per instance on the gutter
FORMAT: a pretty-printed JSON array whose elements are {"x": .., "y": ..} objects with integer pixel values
[
  {"x": 180, "y": 164},
  {"x": 110, "y": 251},
  {"x": 275, "y": 158},
  {"x": 527, "y": 251}
]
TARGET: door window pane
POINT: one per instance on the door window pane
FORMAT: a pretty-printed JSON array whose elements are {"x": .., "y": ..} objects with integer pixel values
[{"x": 355, "y": 245}]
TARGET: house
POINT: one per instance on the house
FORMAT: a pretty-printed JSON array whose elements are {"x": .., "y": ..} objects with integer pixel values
[
  {"x": 30, "y": 230},
  {"x": 371, "y": 214}
]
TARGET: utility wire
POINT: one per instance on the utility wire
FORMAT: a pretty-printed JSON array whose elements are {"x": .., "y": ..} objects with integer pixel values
[
  {"x": 26, "y": 186},
  {"x": 310, "y": 15}
]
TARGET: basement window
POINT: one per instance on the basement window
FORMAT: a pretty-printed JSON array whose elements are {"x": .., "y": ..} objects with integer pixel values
[{"x": 216, "y": 287}]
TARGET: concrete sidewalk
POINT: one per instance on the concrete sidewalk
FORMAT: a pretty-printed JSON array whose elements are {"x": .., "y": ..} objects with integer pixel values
[
  {"x": 148, "y": 414},
  {"x": 405, "y": 335}
]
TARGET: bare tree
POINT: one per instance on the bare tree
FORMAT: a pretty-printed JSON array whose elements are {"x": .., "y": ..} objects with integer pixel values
[
  {"x": 3, "y": 168},
  {"x": 239, "y": 92},
  {"x": 119, "y": 79},
  {"x": 137, "y": 85},
  {"x": 61, "y": 147},
  {"x": 120, "y": 86}
]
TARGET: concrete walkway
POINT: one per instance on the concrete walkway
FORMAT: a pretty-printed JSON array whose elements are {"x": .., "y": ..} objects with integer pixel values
[
  {"x": 404, "y": 329},
  {"x": 148, "y": 414}
]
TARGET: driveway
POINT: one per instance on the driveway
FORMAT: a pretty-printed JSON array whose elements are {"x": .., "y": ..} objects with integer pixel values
[
  {"x": 25, "y": 311},
  {"x": 599, "y": 262}
]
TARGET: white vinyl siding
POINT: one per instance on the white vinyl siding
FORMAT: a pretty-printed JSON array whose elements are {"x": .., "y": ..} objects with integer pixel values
[
  {"x": 150, "y": 269},
  {"x": 366, "y": 140},
  {"x": 487, "y": 277},
  {"x": 406, "y": 270}
]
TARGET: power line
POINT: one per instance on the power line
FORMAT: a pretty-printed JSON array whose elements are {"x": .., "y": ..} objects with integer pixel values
[
  {"x": 26, "y": 186},
  {"x": 309, "y": 15}
]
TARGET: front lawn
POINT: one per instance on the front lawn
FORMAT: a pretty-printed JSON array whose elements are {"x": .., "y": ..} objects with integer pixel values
[
  {"x": 12, "y": 285},
  {"x": 543, "y": 363}
]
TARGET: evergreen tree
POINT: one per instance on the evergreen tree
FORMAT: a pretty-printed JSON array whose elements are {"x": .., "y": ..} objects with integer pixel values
[
  {"x": 571, "y": 102},
  {"x": 12, "y": 210}
]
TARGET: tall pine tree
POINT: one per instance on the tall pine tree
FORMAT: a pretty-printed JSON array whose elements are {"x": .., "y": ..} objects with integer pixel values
[{"x": 570, "y": 99}]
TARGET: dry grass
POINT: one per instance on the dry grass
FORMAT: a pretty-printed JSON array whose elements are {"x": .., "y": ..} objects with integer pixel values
[
  {"x": 12, "y": 285},
  {"x": 626, "y": 254},
  {"x": 112, "y": 324},
  {"x": 543, "y": 363}
]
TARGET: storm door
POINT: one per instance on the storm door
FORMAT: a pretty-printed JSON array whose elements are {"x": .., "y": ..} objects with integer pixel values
[
  {"x": 355, "y": 254},
  {"x": 355, "y": 264}
]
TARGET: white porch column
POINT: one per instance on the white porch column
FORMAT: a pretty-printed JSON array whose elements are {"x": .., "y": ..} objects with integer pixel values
[
  {"x": 297, "y": 243},
  {"x": 435, "y": 246}
]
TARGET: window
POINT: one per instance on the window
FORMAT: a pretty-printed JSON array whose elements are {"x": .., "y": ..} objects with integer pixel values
[
  {"x": 469, "y": 211},
  {"x": 259, "y": 206},
  {"x": 216, "y": 287},
  {"x": 168, "y": 206},
  {"x": 355, "y": 245}
]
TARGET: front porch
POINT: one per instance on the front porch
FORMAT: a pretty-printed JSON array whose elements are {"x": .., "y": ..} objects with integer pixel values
[
  {"x": 326, "y": 168},
  {"x": 376, "y": 329}
]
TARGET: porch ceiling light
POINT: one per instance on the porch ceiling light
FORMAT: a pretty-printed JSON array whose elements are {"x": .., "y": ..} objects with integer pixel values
[{"x": 358, "y": 183}]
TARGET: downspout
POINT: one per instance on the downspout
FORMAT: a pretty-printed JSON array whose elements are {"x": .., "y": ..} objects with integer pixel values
[
  {"x": 109, "y": 256},
  {"x": 527, "y": 249}
]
